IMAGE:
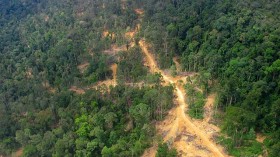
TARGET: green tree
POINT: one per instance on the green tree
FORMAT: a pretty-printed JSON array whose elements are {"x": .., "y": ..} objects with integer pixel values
[
  {"x": 140, "y": 114},
  {"x": 238, "y": 122},
  {"x": 30, "y": 150},
  {"x": 164, "y": 151}
]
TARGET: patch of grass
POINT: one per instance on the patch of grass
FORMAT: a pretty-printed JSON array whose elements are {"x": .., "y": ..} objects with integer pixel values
[
  {"x": 196, "y": 101},
  {"x": 196, "y": 110},
  {"x": 250, "y": 148}
]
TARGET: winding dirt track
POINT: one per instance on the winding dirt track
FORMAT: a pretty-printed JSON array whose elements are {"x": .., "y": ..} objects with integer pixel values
[
  {"x": 179, "y": 122},
  {"x": 189, "y": 137}
]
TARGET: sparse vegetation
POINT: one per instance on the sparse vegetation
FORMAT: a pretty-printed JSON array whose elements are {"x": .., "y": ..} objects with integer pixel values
[{"x": 196, "y": 101}]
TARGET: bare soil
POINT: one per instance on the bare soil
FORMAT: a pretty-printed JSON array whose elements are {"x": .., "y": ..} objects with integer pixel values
[
  {"x": 77, "y": 90},
  {"x": 115, "y": 49},
  {"x": 18, "y": 153},
  {"x": 177, "y": 64},
  {"x": 139, "y": 11},
  {"x": 47, "y": 86},
  {"x": 178, "y": 122},
  {"x": 260, "y": 137},
  {"x": 83, "y": 67}
]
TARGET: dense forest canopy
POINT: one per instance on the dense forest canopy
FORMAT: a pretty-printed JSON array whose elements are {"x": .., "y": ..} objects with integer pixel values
[{"x": 233, "y": 45}]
